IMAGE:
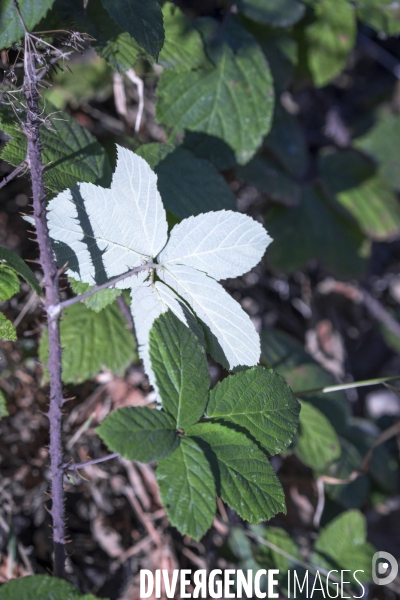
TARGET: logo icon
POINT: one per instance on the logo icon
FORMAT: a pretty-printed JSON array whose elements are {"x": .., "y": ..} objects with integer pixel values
[{"x": 382, "y": 568}]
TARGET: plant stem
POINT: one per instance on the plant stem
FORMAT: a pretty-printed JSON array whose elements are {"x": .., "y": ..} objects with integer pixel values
[
  {"x": 52, "y": 297},
  {"x": 346, "y": 386},
  {"x": 57, "y": 307},
  {"x": 13, "y": 174},
  {"x": 94, "y": 461}
]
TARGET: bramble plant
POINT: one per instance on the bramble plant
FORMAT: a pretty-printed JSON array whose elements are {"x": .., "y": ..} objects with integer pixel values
[{"x": 148, "y": 240}]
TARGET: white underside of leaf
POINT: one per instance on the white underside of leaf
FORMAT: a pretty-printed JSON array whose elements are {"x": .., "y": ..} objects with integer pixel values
[
  {"x": 222, "y": 244},
  {"x": 135, "y": 186},
  {"x": 149, "y": 301},
  {"x": 109, "y": 231},
  {"x": 224, "y": 317}
]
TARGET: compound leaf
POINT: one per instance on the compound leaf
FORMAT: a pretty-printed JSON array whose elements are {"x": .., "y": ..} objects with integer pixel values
[
  {"x": 142, "y": 19},
  {"x": 231, "y": 98},
  {"x": 7, "y": 329},
  {"x": 245, "y": 479},
  {"x": 139, "y": 433},
  {"x": 259, "y": 401},
  {"x": 105, "y": 232},
  {"x": 187, "y": 489},
  {"x": 180, "y": 367},
  {"x": 317, "y": 444},
  {"x": 330, "y": 38},
  {"x": 222, "y": 244},
  {"x": 9, "y": 283},
  {"x": 43, "y": 587},
  {"x": 11, "y": 29},
  {"x": 15, "y": 262},
  {"x": 91, "y": 341},
  {"x": 230, "y": 335}
]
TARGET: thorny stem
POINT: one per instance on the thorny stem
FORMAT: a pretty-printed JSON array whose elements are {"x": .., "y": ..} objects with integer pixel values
[{"x": 52, "y": 297}]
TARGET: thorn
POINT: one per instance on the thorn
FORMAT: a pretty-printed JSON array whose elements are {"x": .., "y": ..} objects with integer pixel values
[{"x": 68, "y": 399}]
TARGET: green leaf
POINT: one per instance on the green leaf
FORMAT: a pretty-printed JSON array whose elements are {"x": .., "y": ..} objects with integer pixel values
[
  {"x": 9, "y": 283},
  {"x": 258, "y": 401},
  {"x": 230, "y": 335},
  {"x": 154, "y": 153},
  {"x": 287, "y": 356},
  {"x": 318, "y": 230},
  {"x": 231, "y": 98},
  {"x": 271, "y": 180},
  {"x": 381, "y": 142},
  {"x": 188, "y": 185},
  {"x": 350, "y": 177},
  {"x": 211, "y": 148},
  {"x": 142, "y": 19},
  {"x": 7, "y": 329},
  {"x": 383, "y": 465},
  {"x": 16, "y": 263},
  {"x": 180, "y": 366},
  {"x": 287, "y": 143},
  {"x": 330, "y": 39},
  {"x": 317, "y": 444},
  {"x": 278, "y": 14},
  {"x": 99, "y": 300},
  {"x": 350, "y": 495},
  {"x": 3, "y": 406},
  {"x": 270, "y": 559},
  {"x": 70, "y": 152},
  {"x": 183, "y": 46},
  {"x": 187, "y": 489},
  {"x": 91, "y": 341},
  {"x": 110, "y": 41},
  {"x": 281, "y": 50},
  {"x": 11, "y": 29},
  {"x": 41, "y": 587},
  {"x": 139, "y": 433},
  {"x": 245, "y": 478},
  {"x": 382, "y": 15},
  {"x": 342, "y": 544}
]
